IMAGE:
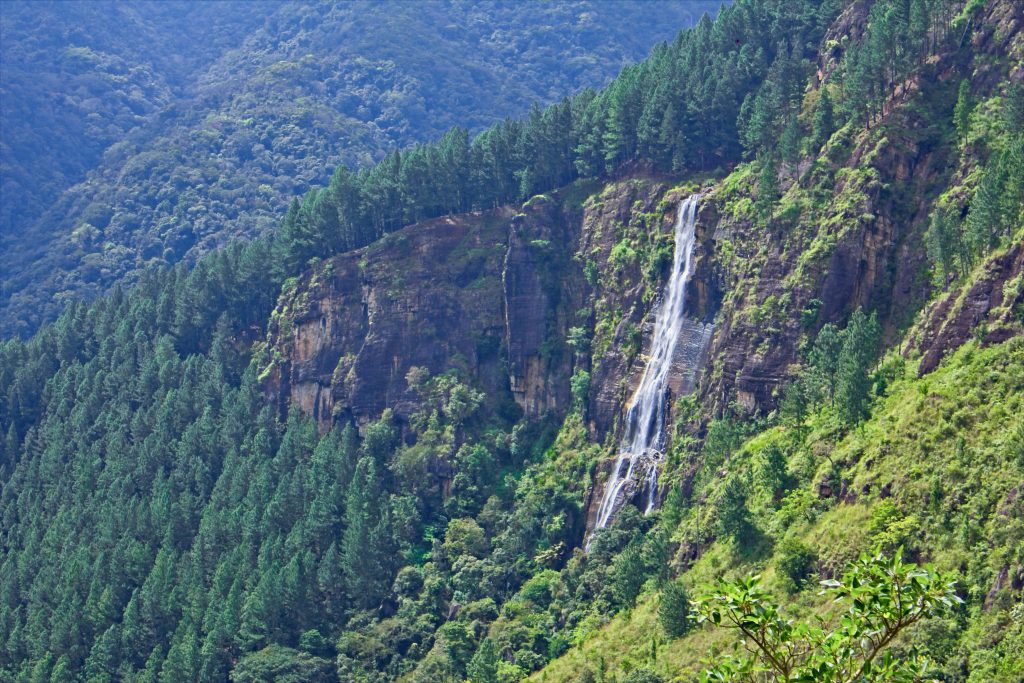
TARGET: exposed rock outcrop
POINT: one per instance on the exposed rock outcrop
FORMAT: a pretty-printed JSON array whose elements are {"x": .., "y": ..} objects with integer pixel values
[
  {"x": 541, "y": 285},
  {"x": 343, "y": 338},
  {"x": 990, "y": 307}
]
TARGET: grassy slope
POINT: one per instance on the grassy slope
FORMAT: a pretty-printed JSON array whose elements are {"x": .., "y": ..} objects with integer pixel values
[{"x": 933, "y": 469}]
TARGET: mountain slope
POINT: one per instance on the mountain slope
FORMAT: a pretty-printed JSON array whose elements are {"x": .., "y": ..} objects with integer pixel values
[
  {"x": 370, "y": 447},
  {"x": 901, "y": 480},
  {"x": 225, "y": 138}
]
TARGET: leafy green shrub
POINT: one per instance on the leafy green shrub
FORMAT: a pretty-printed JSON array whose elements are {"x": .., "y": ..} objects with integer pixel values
[
  {"x": 795, "y": 562},
  {"x": 580, "y": 387},
  {"x": 540, "y": 588},
  {"x": 622, "y": 255},
  {"x": 886, "y": 597},
  {"x": 642, "y": 675}
]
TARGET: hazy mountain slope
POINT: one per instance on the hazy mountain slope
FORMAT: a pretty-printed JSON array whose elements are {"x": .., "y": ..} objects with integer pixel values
[
  {"x": 76, "y": 77},
  {"x": 224, "y": 146}
]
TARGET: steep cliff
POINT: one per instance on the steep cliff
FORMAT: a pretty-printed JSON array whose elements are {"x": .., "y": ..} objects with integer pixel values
[
  {"x": 848, "y": 228},
  {"x": 431, "y": 296},
  {"x": 520, "y": 300}
]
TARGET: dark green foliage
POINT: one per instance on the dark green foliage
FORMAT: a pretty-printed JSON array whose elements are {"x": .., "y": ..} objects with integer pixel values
[
  {"x": 789, "y": 143},
  {"x": 116, "y": 66},
  {"x": 1013, "y": 107},
  {"x": 824, "y": 121},
  {"x": 276, "y": 664},
  {"x": 629, "y": 572},
  {"x": 946, "y": 248},
  {"x": 962, "y": 110},
  {"x": 674, "y": 610},
  {"x": 995, "y": 211},
  {"x": 483, "y": 668},
  {"x": 724, "y": 436},
  {"x": 767, "y": 186},
  {"x": 365, "y": 547},
  {"x": 900, "y": 35},
  {"x": 859, "y": 351},
  {"x": 696, "y": 83},
  {"x": 838, "y": 367},
  {"x": 795, "y": 562},
  {"x": 824, "y": 360},
  {"x": 770, "y": 472},
  {"x": 793, "y": 407},
  {"x": 211, "y": 536},
  {"x": 164, "y": 524},
  {"x": 733, "y": 515},
  {"x": 773, "y": 106},
  {"x": 580, "y": 388}
]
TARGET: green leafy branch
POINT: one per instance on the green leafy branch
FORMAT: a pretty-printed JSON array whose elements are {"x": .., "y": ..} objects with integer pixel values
[{"x": 886, "y": 596}]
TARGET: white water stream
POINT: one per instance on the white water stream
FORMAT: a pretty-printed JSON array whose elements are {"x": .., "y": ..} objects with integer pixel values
[{"x": 643, "y": 440}]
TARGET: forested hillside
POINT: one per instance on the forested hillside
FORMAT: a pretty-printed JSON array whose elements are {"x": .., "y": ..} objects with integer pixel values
[
  {"x": 374, "y": 444},
  {"x": 140, "y": 134},
  {"x": 77, "y": 77}
]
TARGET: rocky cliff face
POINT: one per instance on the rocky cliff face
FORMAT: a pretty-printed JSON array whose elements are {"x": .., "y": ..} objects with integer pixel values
[
  {"x": 990, "y": 307},
  {"x": 849, "y": 229},
  {"x": 541, "y": 286},
  {"x": 522, "y": 300},
  {"x": 808, "y": 264},
  {"x": 343, "y": 339},
  {"x": 497, "y": 296}
]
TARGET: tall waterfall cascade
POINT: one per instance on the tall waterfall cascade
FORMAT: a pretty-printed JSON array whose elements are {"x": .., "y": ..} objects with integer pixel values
[{"x": 678, "y": 345}]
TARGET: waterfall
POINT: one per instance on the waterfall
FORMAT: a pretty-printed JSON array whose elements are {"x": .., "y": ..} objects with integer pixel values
[{"x": 643, "y": 439}]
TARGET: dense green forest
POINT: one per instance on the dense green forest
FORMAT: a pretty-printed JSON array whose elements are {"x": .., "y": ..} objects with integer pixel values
[
  {"x": 78, "y": 77},
  {"x": 165, "y": 520},
  {"x": 133, "y": 143}
]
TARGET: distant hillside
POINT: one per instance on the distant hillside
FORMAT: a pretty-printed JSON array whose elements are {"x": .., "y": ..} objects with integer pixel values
[
  {"x": 131, "y": 143},
  {"x": 76, "y": 77}
]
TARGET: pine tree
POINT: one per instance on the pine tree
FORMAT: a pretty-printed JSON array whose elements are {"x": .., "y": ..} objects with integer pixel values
[
  {"x": 365, "y": 546},
  {"x": 733, "y": 516},
  {"x": 182, "y": 662},
  {"x": 962, "y": 110},
  {"x": 943, "y": 242},
  {"x": 1013, "y": 107},
  {"x": 674, "y": 610},
  {"x": 104, "y": 656},
  {"x": 623, "y": 112},
  {"x": 789, "y": 143},
  {"x": 824, "y": 121},
  {"x": 824, "y": 359},
  {"x": 629, "y": 572},
  {"x": 11, "y": 446},
  {"x": 483, "y": 668},
  {"x": 767, "y": 186},
  {"x": 770, "y": 471},
  {"x": 984, "y": 219},
  {"x": 853, "y": 385},
  {"x": 258, "y": 613}
]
